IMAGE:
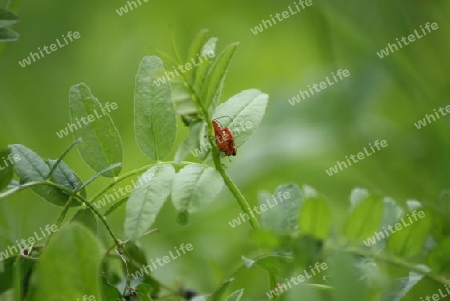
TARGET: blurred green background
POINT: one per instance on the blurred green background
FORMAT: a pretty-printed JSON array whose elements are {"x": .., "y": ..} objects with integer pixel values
[{"x": 381, "y": 99}]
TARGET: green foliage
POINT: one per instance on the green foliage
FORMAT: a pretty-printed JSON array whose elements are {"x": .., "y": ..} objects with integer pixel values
[
  {"x": 6, "y": 170},
  {"x": 32, "y": 168},
  {"x": 365, "y": 219},
  {"x": 154, "y": 117},
  {"x": 64, "y": 176},
  {"x": 100, "y": 145},
  {"x": 297, "y": 230},
  {"x": 7, "y": 18},
  {"x": 236, "y": 295},
  {"x": 315, "y": 218},
  {"x": 86, "y": 217},
  {"x": 52, "y": 272},
  {"x": 194, "y": 187},
  {"x": 145, "y": 201}
]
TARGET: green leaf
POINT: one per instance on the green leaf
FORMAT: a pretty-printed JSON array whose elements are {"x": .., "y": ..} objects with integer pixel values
[
  {"x": 274, "y": 264},
  {"x": 191, "y": 142},
  {"x": 195, "y": 187},
  {"x": 346, "y": 279},
  {"x": 246, "y": 111},
  {"x": 216, "y": 74},
  {"x": 23, "y": 269},
  {"x": 279, "y": 212},
  {"x": 410, "y": 233},
  {"x": 135, "y": 255},
  {"x": 264, "y": 238},
  {"x": 236, "y": 295},
  {"x": 144, "y": 291},
  {"x": 195, "y": 48},
  {"x": 6, "y": 167},
  {"x": 400, "y": 287},
  {"x": 7, "y": 18},
  {"x": 183, "y": 102},
  {"x": 438, "y": 258},
  {"x": 69, "y": 267},
  {"x": 8, "y": 35},
  {"x": 100, "y": 144},
  {"x": 6, "y": 275},
  {"x": 365, "y": 219},
  {"x": 315, "y": 218},
  {"x": 201, "y": 71},
  {"x": 183, "y": 218},
  {"x": 272, "y": 218},
  {"x": 427, "y": 289},
  {"x": 222, "y": 289},
  {"x": 85, "y": 217},
  {"x": 32, "y": 168},
  {"x": 64, "y": 176},
  {"x": 154, "y": 116},
  {"x": 146, "y": 200},
  {"x": 290, "y": 200},
  {"x": 109, "y": 292}
]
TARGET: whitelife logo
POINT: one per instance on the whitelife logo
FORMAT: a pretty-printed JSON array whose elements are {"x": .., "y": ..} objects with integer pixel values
[
  {"x": 168, "y": 75},
  {"x": 423, "y": 122},
  {"x": 437, "y": 297},
  {"x": 22, "y": 245},
  {"x": 398, "y": 226},
  {"x": 53, "y": 47},
  {"x": 243, "y": 217},
  {"x": 360, "y": 155},
  {"x": 166, "y": 259},
  {"x": 71, "y": 127},
  {"x": 9, "y": 160},
  {"x": 319, "y": 87},
  {"x": 280, "y": 17},
  {"x": 124, "y": 9},
  {"x": 319, "y": 267},
  {"x": 411, "y": 38},
  {"x": 122, "y": 192}
]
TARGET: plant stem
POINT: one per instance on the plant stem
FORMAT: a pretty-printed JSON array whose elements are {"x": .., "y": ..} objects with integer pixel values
[
  {"x": 102, "y": 218},
  {"x": 216, "y": 159},
  {"x": 232, "y": 187},
  {"x": 14, "y": 6},
  {"x": 68, "y": 191}
]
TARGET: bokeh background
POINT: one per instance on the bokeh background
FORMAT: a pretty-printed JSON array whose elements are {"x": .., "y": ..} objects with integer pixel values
[{"x": 381, "y": 99}]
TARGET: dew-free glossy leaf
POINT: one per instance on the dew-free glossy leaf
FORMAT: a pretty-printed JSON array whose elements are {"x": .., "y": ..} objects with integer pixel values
[
  {"x": 32, "y": 168},
  {"x": 69, "y": 267},
  {"x": 246, "y": 111},
  {"x": 146, "y": 200},
  {"x": 195, "y": 187},
  {"x": 100, "y": 144},
  {"x": 154, "y": 115}
]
